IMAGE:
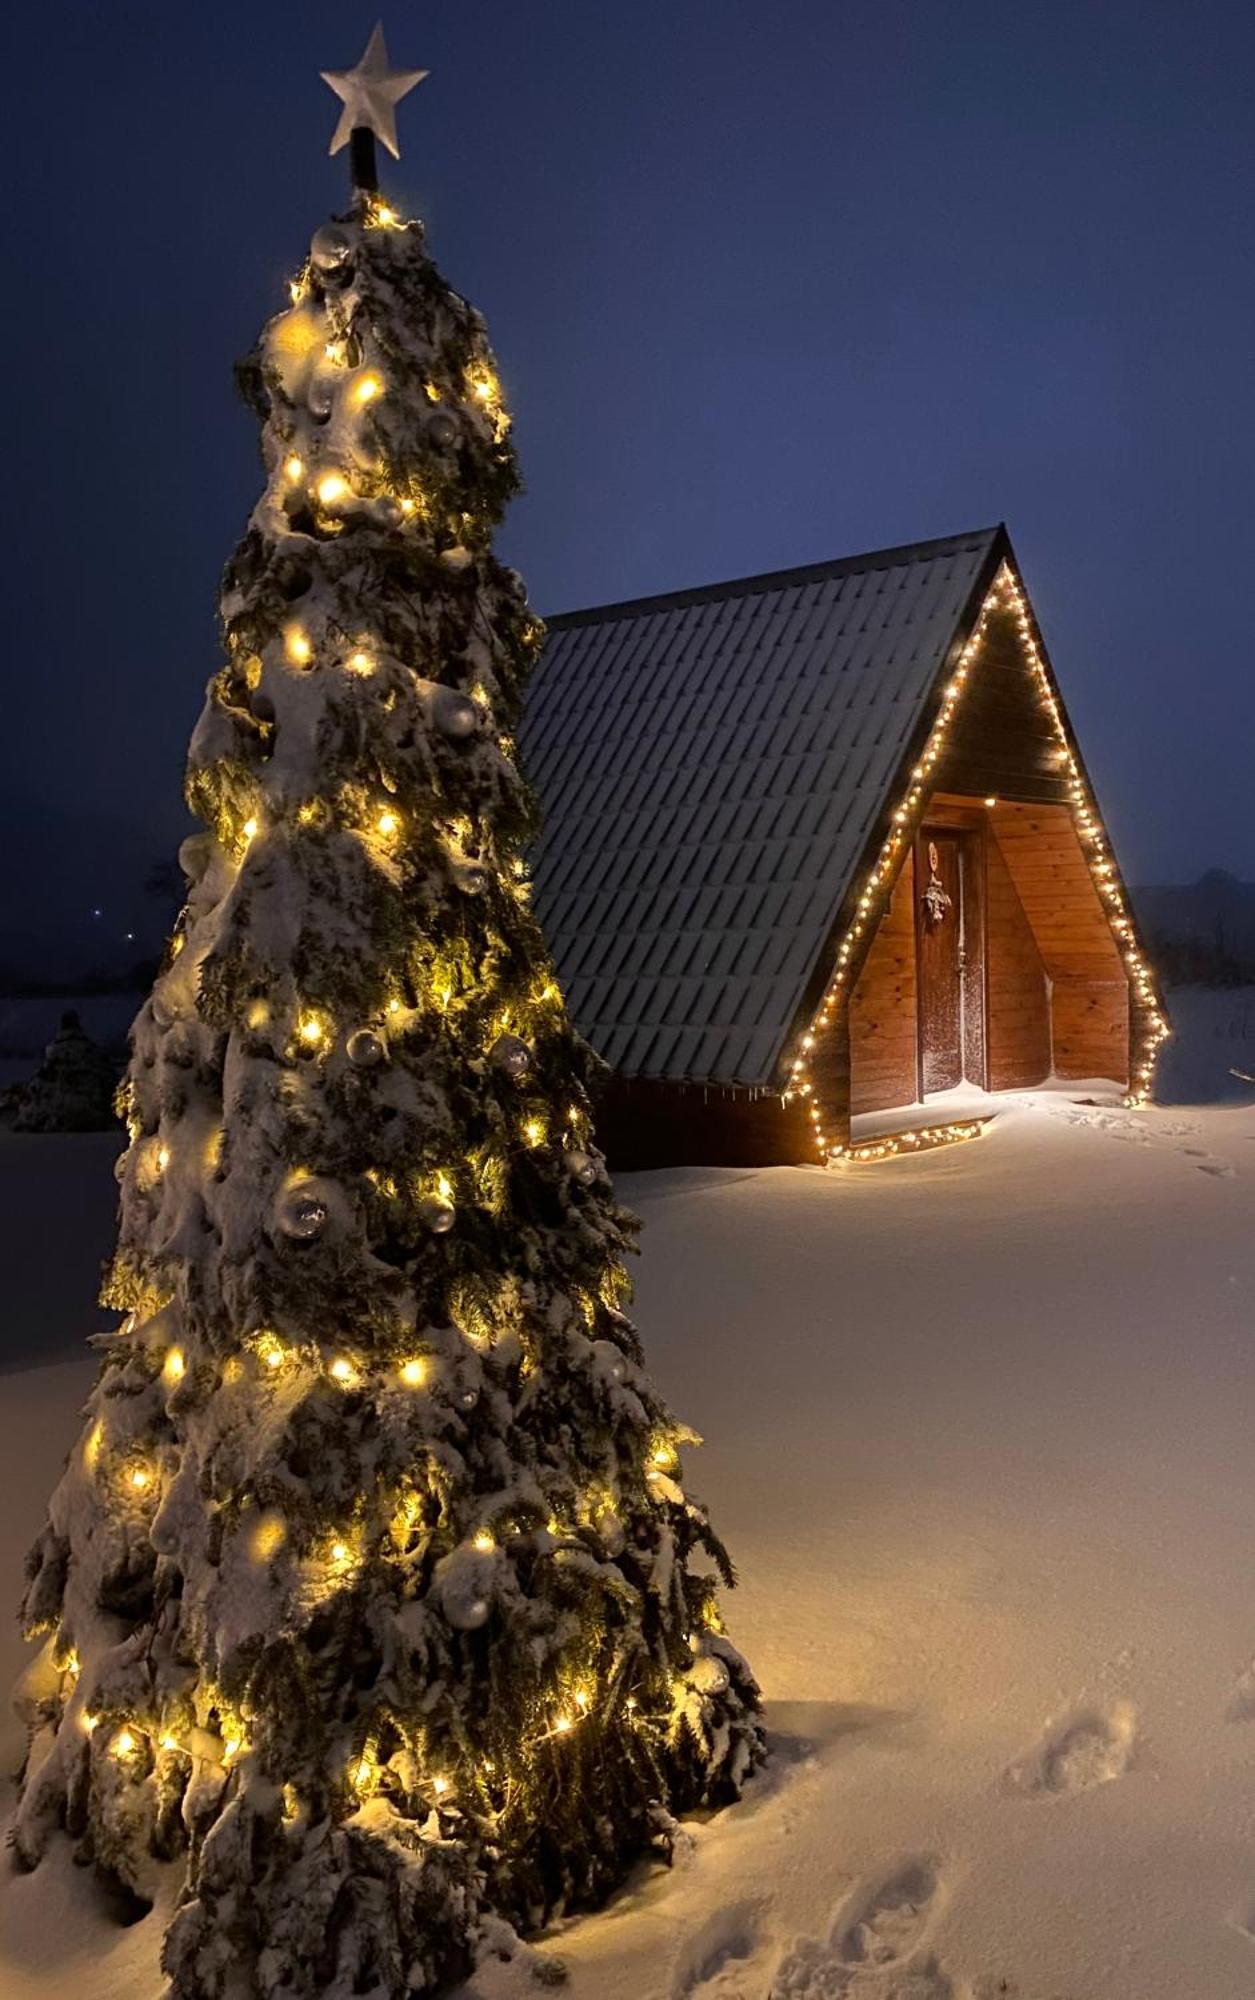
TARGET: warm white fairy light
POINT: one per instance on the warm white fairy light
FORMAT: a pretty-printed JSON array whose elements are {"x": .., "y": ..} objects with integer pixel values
[
  {"x": 414, "y": 1372},
  {"x": 483, "y": 1541},
  {"x": 924, "y": 1139},
  {"x": 332, "y": 488},
  {"x": 1004, "y": 595},
  {"x": 297, "y": 645}
]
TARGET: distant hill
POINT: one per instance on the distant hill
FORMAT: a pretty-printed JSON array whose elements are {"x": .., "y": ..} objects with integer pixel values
[{"x": 1203, "y": 930}]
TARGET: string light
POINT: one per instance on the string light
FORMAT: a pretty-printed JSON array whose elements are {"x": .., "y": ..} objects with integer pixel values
[
  {"x": 483, "y": 1541},
  {"x": 271, "y": 1354},
  {"x": 250, "y": 829},
  {"x": 174, "y": 1367},
  {"x": 924, "y": 1139},
  {"x": 367, "y": 389},
  {"x": 298, "y": 646},
  {"x": 414, "y": 1373},
  {"x": 163, "y": 1158},
  {"x": 294, "y": 469},
  {"x": 140, "y": 1479},
  {"x": 1151, "y": 1027},
  {"x": 311, "y": 1029},
  {"x": 123, "y": 1743},
  {"x": 360, "y": 663},
  {"x": 534, "y": 1131},
  {"x": 332, "y": 487},
  {"x": 342, "y": 1370},
  {"x": 387, "y": 822}
]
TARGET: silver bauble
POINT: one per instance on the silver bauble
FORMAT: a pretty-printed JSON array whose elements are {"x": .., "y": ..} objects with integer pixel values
[
  {"x": 320, "y": 395},
  {"x": 581, "y": 1166},
  {"x": 442, "y": 428},
  {"x": 302, "y": 1213},
  {"x": 330, "y": 249},
  {"x": 508, "y": 1053},
  {"x": 456, "y": 558},
  {"x": 455, "y": 715},
  {"x": 366, "y": 1048},
  {"x": 471, "y": 877},
  {"x": 437, "y": 1214}
]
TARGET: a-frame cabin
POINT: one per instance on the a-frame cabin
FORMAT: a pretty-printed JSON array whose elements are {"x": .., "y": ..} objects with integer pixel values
[{"x": 820, "y": 844}]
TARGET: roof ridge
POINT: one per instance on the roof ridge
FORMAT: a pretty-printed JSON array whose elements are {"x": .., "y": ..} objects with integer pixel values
[{"x": 781, "y": 579}]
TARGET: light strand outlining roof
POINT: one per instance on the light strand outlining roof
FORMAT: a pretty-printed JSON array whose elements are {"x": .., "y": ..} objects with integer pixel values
[{"x": 712, "y": 764}]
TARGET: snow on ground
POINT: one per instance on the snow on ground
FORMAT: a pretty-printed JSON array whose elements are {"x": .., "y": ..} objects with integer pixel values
[{"x": 980, "y": 1435}]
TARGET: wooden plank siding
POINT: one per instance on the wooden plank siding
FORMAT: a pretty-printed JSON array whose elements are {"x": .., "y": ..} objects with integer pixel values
[
  {"x": 650, "y": 1122},
  {"x": 1003, "y": 741},
  {"x": 884, "y": 1054},
  {"x": 1090, "y": 989},
  {"x": 1018, "y": 1008}
]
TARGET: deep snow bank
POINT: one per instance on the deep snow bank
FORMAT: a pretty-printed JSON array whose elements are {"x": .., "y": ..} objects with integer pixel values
[{"x": 980, "y": 1440}]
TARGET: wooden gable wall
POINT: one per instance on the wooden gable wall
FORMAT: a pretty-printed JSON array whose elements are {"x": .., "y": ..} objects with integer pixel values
[{"x": 883, "y": 1038}]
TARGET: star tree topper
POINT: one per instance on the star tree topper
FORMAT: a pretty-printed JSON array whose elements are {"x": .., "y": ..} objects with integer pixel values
[{"x": 370, "y": 94}]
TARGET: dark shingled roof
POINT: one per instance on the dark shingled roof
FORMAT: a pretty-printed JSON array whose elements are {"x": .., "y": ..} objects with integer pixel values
[{"x": 712, "y": 764}]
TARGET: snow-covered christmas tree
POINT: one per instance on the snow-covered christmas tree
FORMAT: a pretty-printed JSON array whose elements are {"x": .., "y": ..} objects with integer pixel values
[
  {"x": 373, "y": 1599},
  {"x": 72, "y": 1090}
]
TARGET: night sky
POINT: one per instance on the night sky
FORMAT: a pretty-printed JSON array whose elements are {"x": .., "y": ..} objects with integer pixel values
[{"x": 767, "y": 284}]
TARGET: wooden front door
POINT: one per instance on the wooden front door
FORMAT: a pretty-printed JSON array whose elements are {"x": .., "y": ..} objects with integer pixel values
[{"x": 949, "y": 936}]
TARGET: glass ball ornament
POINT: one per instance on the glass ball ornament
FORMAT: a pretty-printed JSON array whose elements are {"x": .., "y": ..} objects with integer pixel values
[
  {"x": 513, "y": 1056},
  {"x": 366, "y": 1048},
  {"x": 471, "y": 877},
  {"x": 320, "y": 395},
  {"x": 331, "y": 250},
  {"x": 457, "y": 558},
  {"x": 581, "y": 1166},
  {"x": 442, "y": 428},
  {"x": 437, "y": 1214},
  {"x": 455, "y": 715},
  {"x": 302, "y": 1213}
]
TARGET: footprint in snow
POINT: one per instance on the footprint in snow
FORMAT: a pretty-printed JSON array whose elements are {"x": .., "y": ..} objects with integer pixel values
[
  {"x": 1085, "y": 1747},
  {"x": 875, "y": 1948},
  {"x": 1241, "y": 1706},
  {"x": 714, "y": 1963}
]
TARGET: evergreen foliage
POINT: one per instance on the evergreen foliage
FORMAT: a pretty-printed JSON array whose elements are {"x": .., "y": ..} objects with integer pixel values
[
  {"x": 372, "y": 1597},
  {"x": 73, "y": 1088}
]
